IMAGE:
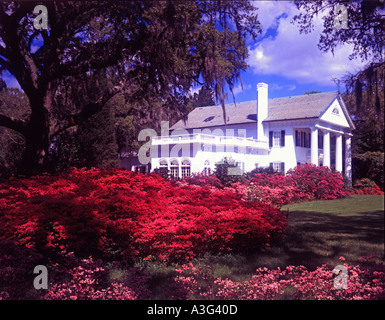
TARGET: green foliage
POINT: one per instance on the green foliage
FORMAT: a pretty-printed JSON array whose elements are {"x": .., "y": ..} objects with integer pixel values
[
  {"x": 264, "y": 170},
  {"x": 363, "y": 183},
  {"x": 228, "y": 172},
  {"x": 369, "y": 165},
  {"x": 13, "y": 103},
  {"x": 97, "y": 142}
]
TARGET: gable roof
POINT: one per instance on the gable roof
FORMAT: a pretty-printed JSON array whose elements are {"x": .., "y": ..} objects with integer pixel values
[{"x": 297, "y": 107}]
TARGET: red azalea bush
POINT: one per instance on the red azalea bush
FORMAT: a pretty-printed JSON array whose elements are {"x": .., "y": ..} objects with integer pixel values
[
  {"x": 365, "y": 186},
  {"x": 317, "y": 182},
  {"x": 291, "y": 283},
  {"x": 304, "y": 182},
  {"x": 203, "y": 180},
  {"x": 373, "y": 191},
  {"x": 108, "y": 212},
  {"x": 16, "y": 266}
]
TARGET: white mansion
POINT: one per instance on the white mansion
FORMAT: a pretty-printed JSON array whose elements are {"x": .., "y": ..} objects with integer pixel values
[{"x": 280, "y": 133}]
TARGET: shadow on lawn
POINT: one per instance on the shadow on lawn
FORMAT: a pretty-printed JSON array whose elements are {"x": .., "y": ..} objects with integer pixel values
[{"x": 315, "y": 238}]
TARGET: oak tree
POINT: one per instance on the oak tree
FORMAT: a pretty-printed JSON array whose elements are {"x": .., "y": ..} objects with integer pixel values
[{"x": 137, "y": 49}]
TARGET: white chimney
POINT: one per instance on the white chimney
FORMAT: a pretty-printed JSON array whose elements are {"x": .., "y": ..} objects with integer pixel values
[{"x": 262, "y": 106}]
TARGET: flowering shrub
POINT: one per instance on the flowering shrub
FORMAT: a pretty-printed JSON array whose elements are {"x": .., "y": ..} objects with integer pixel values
[
  {"x": 88, "y": 280},
  {"x": 69, "y": 277},
  {"x": 274, "y": 196},
  {"x": 203, "y": 179},
  {"x": 16, "y": 266},
  {"x": 317, "y": 182},
  {"x": 305, "y": 182},
  {"x": 105, "y": 213},
  {"x": 374, "y": 191},
  {"x": 290, "y": 283},
  {"x": 200, "y": 220}
]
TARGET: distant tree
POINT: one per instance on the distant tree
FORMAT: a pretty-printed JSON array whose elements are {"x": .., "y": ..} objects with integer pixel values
[
  {"x": 312, "y": 92},
  {"x": 97, "y": 141},
  {"x": 228, "y": 172},
  {"x": 365, "y": 99},
  {"x": 205, "y": 97}
]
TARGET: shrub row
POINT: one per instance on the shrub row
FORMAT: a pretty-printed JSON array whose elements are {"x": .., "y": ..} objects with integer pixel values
[
  {"x": 294, "y": 282},
  {"x": 304, "y": 182},
  {"x": 107, "y": 213}
]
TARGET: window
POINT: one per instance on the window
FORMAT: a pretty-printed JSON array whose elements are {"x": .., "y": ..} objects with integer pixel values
[
  {"x": 278, "y": 166},
  {"x": 174, "y": 169},
  {"x": 336, "y": 112},
  {"x": 277, "y": 139},
  {"x": 163, "y": 164},
  {"x": 186, "y": 168},
  {"x": 302, "y": 139},
  {"x": 320, "y": 141},
  {"x": 207, "y": 169}
]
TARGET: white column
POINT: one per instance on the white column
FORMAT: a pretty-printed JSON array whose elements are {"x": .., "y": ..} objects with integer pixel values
[
  {"x": 348, "y": 158},
  {"x": 314, "y": 146},
  {"x": 326, "y": 150},
  {"x": 339, "y": 153}
]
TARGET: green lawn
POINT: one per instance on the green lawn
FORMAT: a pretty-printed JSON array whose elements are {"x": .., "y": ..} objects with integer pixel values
[
  {"x": 319, "y": 232},
  {"x": 322, "y": 231}
]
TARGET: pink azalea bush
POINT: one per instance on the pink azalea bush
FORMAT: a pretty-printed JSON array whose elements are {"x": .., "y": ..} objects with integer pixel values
[
  {"x": 89, "y": 281},
  {"x": 291, "y": 283}
]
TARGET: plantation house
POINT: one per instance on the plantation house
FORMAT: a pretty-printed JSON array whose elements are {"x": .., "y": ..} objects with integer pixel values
[{"x": 280, "y": 133}]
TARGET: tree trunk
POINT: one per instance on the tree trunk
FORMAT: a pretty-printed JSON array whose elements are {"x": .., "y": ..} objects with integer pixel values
[{"x": 37, "y": 142}]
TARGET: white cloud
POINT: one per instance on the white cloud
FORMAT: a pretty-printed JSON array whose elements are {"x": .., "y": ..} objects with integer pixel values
[
  {"x": 278, "y": 87},
  {"x": 238, "y": 89},
  {"x": 293, "y": 55}
]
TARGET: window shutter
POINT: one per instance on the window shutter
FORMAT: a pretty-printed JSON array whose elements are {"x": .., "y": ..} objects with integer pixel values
[
  {"x": 296, "y": 138},
  {"x": 282, "y": 138},
  {"x": 271, "y": 165},
  {"x": 270, "y": 139},
  {"x": 283, "y": 166},
  {"x": 309, "y": 140}
]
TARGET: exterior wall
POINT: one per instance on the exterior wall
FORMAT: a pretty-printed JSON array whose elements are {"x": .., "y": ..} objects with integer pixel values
[{"x": 287, "y": 153}]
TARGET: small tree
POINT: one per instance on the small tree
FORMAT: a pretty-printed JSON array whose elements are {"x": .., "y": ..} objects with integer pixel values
[{"x": 228, "y": 172}]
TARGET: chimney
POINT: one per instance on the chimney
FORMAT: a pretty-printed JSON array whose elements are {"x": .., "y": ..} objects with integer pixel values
[{"x": 262, "y": 107}]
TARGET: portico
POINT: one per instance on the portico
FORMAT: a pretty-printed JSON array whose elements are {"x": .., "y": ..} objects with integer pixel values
[{"x": 326, "y": 150}]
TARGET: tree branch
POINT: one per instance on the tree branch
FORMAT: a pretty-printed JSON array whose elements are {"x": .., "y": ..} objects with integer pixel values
[
  {"x": 12, "y": 123},
  {"x": 89, "y": 110}
]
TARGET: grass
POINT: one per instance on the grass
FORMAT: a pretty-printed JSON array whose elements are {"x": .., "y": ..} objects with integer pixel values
[{"x": 319, "y": 232}]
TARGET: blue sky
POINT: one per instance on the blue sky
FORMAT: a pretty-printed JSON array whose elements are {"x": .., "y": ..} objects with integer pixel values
[{"x": 289, "y": 62}]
